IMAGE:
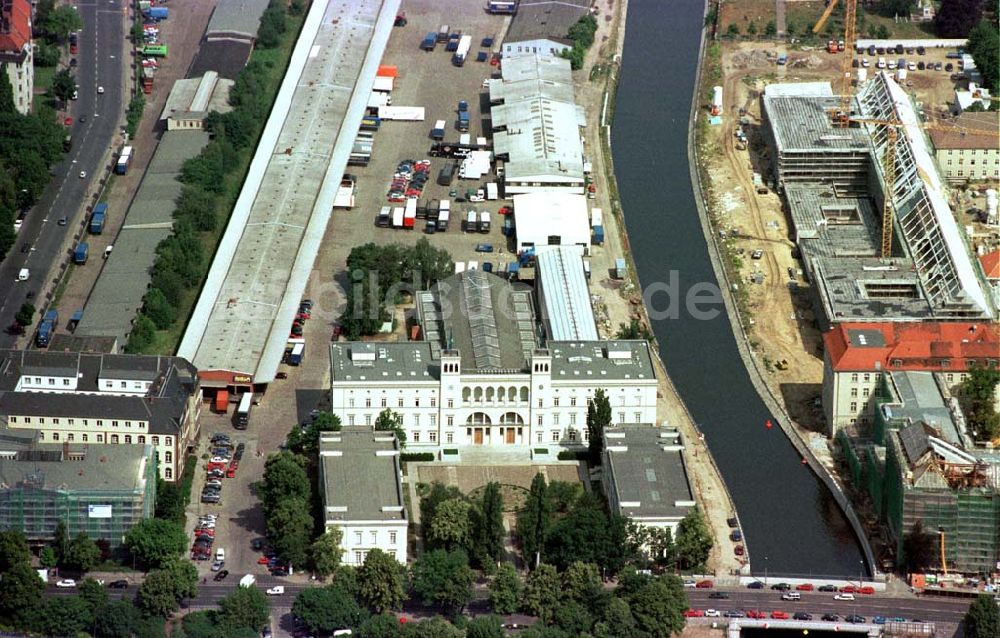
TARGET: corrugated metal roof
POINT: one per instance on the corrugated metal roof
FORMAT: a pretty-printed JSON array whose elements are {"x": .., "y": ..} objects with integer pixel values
[{"x": 565, "y": 302}]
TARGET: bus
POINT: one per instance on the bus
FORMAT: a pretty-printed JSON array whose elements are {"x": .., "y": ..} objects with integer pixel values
[
  {"x": 243, "y": 411},
  {"x": 121, "y": 167},
  {"x": 155, "y": 50}
]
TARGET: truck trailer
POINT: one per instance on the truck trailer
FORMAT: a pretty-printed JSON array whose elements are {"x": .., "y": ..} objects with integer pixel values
[
  {"x": 80, "y": 253},
  {"x": 98, "y": 219},
  {"x": 462, "y": 51}
]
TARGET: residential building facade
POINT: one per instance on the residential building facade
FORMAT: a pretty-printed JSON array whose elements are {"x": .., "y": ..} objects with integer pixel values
[
  {"x": 16, "y": 51},
  {"x": 101, "y": 399},
  {"x": 99, "y": 490},
  {"x": 970, "y": 150},
  {"x": 857, "y": 355},
  {"x": 541, "y": 27},
  {"x": 369, "y": 518}
]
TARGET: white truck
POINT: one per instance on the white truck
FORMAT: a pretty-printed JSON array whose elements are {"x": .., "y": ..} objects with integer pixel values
[
  {"x": 492, "y": 192},
  {"x": 248, "y": 580},
  {"x": 444, "y": 214},
  {"x": 397, "y": 217},
  {"x": 345, "y": 194},
  {"x": 463, "y": 50}
]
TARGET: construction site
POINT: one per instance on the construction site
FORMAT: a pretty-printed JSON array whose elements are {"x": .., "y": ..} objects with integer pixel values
[{"x": 795, "y": 194}]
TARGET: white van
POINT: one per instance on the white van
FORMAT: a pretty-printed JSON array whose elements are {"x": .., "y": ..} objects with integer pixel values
[
  {"x": 791, "y": 595},
  {"x": 23, "y": 274},
  {"x": 220, "y": 554}
]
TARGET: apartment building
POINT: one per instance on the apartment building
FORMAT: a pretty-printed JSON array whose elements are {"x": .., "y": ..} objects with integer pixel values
[
  {"x": 481, "y": 377},
  {"x": 369, "y": 518},
  {"x": 16, "y": 52},
  {"x": 857, "y": 355},
  {"x": 98, "y": 490},
  {"x": 69, "y": 397},
  {"x": 968, "y": 150}
]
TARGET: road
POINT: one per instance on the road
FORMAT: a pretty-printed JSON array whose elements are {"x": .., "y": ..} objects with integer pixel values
[
  {"x": 41, "y": 242},
  {"x": 817, "y": 604}
]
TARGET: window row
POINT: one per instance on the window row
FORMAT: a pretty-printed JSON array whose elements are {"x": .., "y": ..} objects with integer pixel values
[
  {"x": 113, "y": 438},
  {"x": 27, "y": 420}
]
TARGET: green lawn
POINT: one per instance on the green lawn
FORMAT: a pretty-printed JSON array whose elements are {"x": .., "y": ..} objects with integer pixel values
[{"x": 801, "y": 16}]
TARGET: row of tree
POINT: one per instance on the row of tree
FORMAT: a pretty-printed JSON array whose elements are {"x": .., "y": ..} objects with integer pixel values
[
  {"x": 582, "y": 34},
  {"x": 984, "y": 46},
  {"x": 572, "y": 603},
  {"x": 452, "y": 521},
  {"x": 978, "y": 394},
  {"x": 208, "y": 193},
  {"x": 380, "y": 275}
]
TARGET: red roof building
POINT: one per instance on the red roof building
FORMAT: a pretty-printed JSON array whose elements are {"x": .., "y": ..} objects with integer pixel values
[
  {"x": 991, "y": 264},
  {"x": 15, "y": 28},
  {"x": 929, "y": 346}
]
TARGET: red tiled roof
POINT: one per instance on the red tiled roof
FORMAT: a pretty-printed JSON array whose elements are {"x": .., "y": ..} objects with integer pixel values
[
  {"x": 991, "y": 264},
  {"x": 911, "y": 346},
  {"x": 15, "y": 26}
]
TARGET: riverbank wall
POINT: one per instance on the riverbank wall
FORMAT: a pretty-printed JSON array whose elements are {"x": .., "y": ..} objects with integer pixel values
[{"x": 753, "y": 366}]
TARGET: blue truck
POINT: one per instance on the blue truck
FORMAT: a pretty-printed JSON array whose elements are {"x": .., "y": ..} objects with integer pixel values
[
  {"x": 463, "y": 121},
  {"x": 370, "y": 123},
  {"x": 48, "y": 326},
  {"x": 430, "y": 41},
  {"x": 97, "y": 219},
  {"x": 80, "y": 253},
  {"x": 598, "y": 235},
  {"x": 157, "y": 13}
]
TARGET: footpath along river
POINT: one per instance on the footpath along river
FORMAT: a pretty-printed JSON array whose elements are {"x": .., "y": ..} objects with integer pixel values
[{"x": 791, "y": 522}]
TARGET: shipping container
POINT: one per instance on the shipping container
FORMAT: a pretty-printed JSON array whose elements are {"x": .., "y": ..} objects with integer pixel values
[
  {"x": 397, "y": 217},
  {"x": 484, "y": 221},
  {"x": 297, "y": 354},
  {"x": 430, "y": 41},
  {"x": 81, "y": 253},
  {"x": 410, "y": 213},
  {"x": 471, "y": 222},
  {"x": 437, "y": 133},
  {"x": 384, "y": 218},
  {"x": 124, "y": 161},
  {"x": 155, "y": 50},
  {"x": 98, "y": 218},
  {"x": 462, "y": 51}
]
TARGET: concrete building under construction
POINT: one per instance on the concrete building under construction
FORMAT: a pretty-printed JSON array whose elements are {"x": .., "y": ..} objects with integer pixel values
[{"x": 833, "y": 180}]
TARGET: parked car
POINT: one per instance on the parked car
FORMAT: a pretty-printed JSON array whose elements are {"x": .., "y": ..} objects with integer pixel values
[
  {"x": 694, "y": 613},
  {"x": 844, "y": 597},
  {"x": 804, "y": 587},
  {"x": 118, "y": 584},
  {"x": 221, "y": 575},
  {"x": 484, "y": 248},
  {"x": 828, "y": 588},
  {"x": 735, "y": 613},
  {"x": 756, "y": 613},
  {"x": 217, "y": 565},
  {"x": 831, "y": 617},
  {"x": 704, "y": 584},
  {"x": 712, "y": 613},
  {"x": 867, "y": 589},
  {"x": 66, "y": 583},
  {"x": 779, "y": 615},
  {"x": 755, "y": 585},
  {"x": 801, "y": 615},
  {"x": 719, "y": 594},
  {"x": 781, "y": 587},
  {"x": 855, "y": 619},
  {"x": 848, "y": 589},
  {"x": 277, "y": 590}
]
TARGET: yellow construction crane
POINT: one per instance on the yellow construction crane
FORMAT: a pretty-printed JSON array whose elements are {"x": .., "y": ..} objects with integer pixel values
[
  {"x": 850, "y": 38},
  {"x": 888, "y": 161}
]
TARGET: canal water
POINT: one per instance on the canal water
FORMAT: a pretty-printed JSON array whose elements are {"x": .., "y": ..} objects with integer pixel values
[{"x": 791, "y": 522}]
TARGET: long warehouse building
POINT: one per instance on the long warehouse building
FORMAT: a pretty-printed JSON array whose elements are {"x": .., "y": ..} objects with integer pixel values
[{"x": 239, "y": 327}]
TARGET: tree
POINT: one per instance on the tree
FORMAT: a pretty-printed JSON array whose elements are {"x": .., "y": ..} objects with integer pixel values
[
  {"x": 47, "y": 558},
  {"x": 894, "y": 8},
  {"x": 589, "y": 535},
  {"x": 142, "y": 335},
  {"x": 882, "y": 32},
  {"x": 246, "y": 607},
  {"x": 618, "y": 621},
  {"x": 983, "y": 618},
  {"x": 791, "y": 28},
  {"x": 436, "y": 627},
  {"x": 60, "y": 540},
  {"x": 116, "y": 620},
  {"x": 443, "y": 578},
  {"x": 63, "y": 85},
  {"x": 752, "y": 28},
  {"x": 582, "y": 583},
  {"x": 323, "y": 610},
  {"x": 26, "y": 314},
  {"x": 693, "y": 540},
  {"x": 451, "y": 527},
  {"x": 770, "y": 29},
  {"x": 389, "y": 421},
  {"x": 306, "y": 441},
  {"x": 505, "y": 590},
  {"x": 170, "y": 501},
  {"x": 582, "y": 32},
  {"x": 381, "y": 626},
  {"x": 154, "y": 541},
  {"x": 160, "y": 311},
  {"x": 290, "y": 526},
  {"x": 733, "y": 30},
  {"x": 533, "y": 521},
  {"x": 380, "y": 582},
  {"x": 94, "y": 594},
  {"x": 59, "y": 22},
  {"x": 978, "y": 393},
  {"x": 635, "y": 329},
  {"x": 542, "y": 592},
  {"x": 489, "y": 532},
  {"x": 82, "y": 554},
  {"x": 658, "y": 607},
  {"x": 598, "y": 418},
  {"x": 919, "y": 549},
  {"x": 429, "y": 503},
  {"x": 574, "y": 618},
  {"x": 326, "y": 552},
  {"x": 20, "y": 591},
  {"x": 485, "y": 627},
  {"x": 13, "y": 549},
  {"x": 955, "y": 18},
  {"x": 284, "y": 478},
  {"x": 984, "y": 45},
  {"x": 164, "y": 588},
  {"x": 62, "y": 616}
]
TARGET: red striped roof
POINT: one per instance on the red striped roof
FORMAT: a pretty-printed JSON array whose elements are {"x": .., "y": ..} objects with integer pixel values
[
  {"x": 15, "y": 26},
  {"x": 991, "y": 264},
  {"x": 926, "y": 346}
]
